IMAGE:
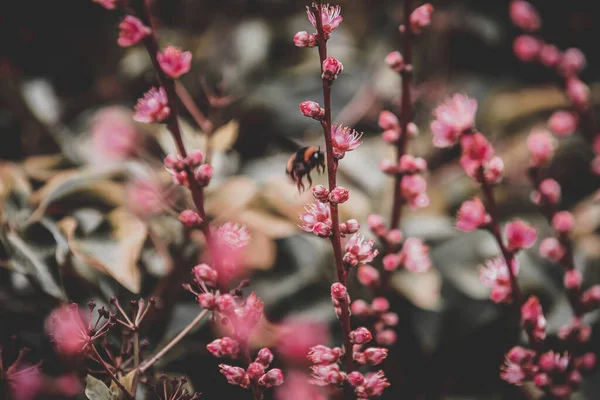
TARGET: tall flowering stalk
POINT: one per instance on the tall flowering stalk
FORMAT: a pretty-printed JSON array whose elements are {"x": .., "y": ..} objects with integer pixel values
[{"x": 322, "y": 219}]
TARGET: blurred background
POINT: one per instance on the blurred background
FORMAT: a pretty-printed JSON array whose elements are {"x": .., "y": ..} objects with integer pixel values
[{"x": 75, "y": 168}]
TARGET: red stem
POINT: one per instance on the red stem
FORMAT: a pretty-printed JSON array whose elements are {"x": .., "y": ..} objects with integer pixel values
[{"x": 336, "y": 243}]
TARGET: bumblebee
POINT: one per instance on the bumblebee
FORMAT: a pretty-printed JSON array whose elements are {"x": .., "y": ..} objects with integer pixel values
[{"x": 302, "y": 163}]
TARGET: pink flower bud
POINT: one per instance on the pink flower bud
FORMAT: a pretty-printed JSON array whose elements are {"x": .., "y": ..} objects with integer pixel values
[
  {"x": 322, "y": 229},
  {"x": 394, "y": 236},
  {"x": 225, "y": 303},
  {"x": 173, "y": 162},
  {"x": 204, "y": 174},
  {"x": 494, "y": 171},
  {"x": 235, "y": 375},
  {"x": 380, "y": 304},
  {"x": 572, "y": 63},
  {"x": 255, "y": 370},
  {"x": 355, "y": 378},
  {"x": 360, "y": 307},
  {"x": 549, "y": 55},
  {"x": 367, "y": 275},
  {"x": 550, "y": 189},
  {"x": 375, "y": 223},
  {"x": 546, "y": 362},
  {"x": 207, "y": 301},
  {"x": 194, "y": 159},
  {"x": 542, "y": 380},
  {"x": 591, "y": 298},
  {"x": 551, "y": 249},
  {"x": 339, "y": 195},
  {"x": 541, "y": 146},
  {"x": 351, "y": 226},
  {"x": 420, "y": 18},
  {"x": 132, "y": 30},
  {"x": 386, "y": 337},
  {"x": 224, "y": 347},
  {"x": 190, "y": 219},
  {"x": 520, "y": 235},
  {"x": 321, "y": 193},
  {"x": 562, "y": 221},
  {"x": 562, "y": 123},
  {"x": 174, "y": 62},
  {"x": 391, "y": 262},
  {"x": 153, "y": 107},
  {"x": 472, "y": 216},
  {"x": 264, "y": 356},
  {"x": 411, "y": 164},
  {"x": 395, "y": 61},
  {"x": 578, "y": 92},
  {"x": 339, "y": 292},
  {"x": 391, "y": 136},
  {"x": 375, "y": 355},
  {"x": 575, "y": 378},
  {"x": 533, "y": 319},
  {"x": 304, "y": 39},
  {"x": 204, "y": 273},
  {"x": 526, "y": 48},
  {"x": 388, "y": 167},
  {"x": 572, "y": 279},
  {"x": 412, "y": 130},
  {"x": 524, "y": 15},
  {"x": 388, "y": 120},
  {"x": 360, "y": 336},
  {"x": 520, "y": 355},
  {"x": 272, "y": 378},
  {"x": 587, "y": 362},
  {"x": 312, "y": 110},
  {"x": 332, "y": 68}
]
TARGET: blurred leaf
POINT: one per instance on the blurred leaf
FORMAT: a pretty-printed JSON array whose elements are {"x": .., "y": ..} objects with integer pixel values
[
  {"x": 42, "y": 167},
  {"x": 224, "y": 138},
  {"x": 423, "y": 290},
  {"x": 116, "y": 255},
  {"x": 230, "y": 198},
  {"x": 269, "y": 224},
  {"x": 95, "y": 389},
  {"x": 127, "y": 381}
]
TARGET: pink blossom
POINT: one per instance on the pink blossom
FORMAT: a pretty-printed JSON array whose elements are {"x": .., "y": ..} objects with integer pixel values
[
  {"x": 332, "y": 67},
  {"x": 541, "y": 146},
  {"x": 562, "y": 123},
  {"x": 420, "y": 18},
  {"x": 386, "y": 337},
  {"x": 313, "y": 110},
  {"x": 349, "y": 227},
  {"x": 394, "y": 236},
  {"x": 358, "y": 251},
  {"x": 454, "y": 117},
  {"x": 321, "y": 193},
  {"x": 324, "y": 375},
  {"x": 145, "y": 197},
  {"x": 572, "y": 279},
  {"x": 25, "y": 382},
  {"x": 272, "y": 378},
  {"x": 395, "y": 61},
  {"x": 532, "y": 318},
  {"x": 411, "y": 164},
  {"x": 548, "y": 192},
  {"x": 391, "y": 136},
  {"x": 519, "y": 235},
  {"x": 367, "y": 275},
  {"x": 330, "y": 17},
  {"x": 493, "y": 170},
  {"x": 248, "y": 315},
  {"x": 324, "y": 355},
  {"x": 174, "y": 62},
  {"x": 153, "y": 107},
  {"x": 360, "y": 308},
  {"x": 225, "y": 303},
  {"x": 235, "y": 375},
  {"x": 590, "y": 299},
  {"x": 317, "y": 216},
  {"x": 344, "y": 140},
  {"x": 132, "y": 31},
  {"x": 224, "y": 347},
  {"x": 472, "y": 216},
  {"x": 562, "y": 221},
  {"x": 264, "y": 356},
  {"x": 298, "y": 336},
  {"x": 190, "y": 219},
  {"x": 108, "y": 4},
  {"x": 520, "y": 355},
  {"x": 551, "y": 249},
  {"x": 513, "y": 373},
  {"x": 387, "y": 120},
  {"x": 255, "y": 370},
  {"x": 339, "y": 291},
  {"x": 391, "y": 262},
  {"x": 356, "y": 378},
  {"x": 68, "y": 385},
  {"x": 114, "y": 135},
  {"x": 476, "y": 147},
  {"x": 526, "y": 48},
  {"x": 371, "y": 356},
  {"x": 305, "y": 39},
  {"x": 339, "y": 195},
  {"x": 415, "y": 255},
  {"x": 413, "y": 188},
  {"x": 578, "y": 92},
  {"x": 549, "y": 55},
  {"x": 360, "y": 336},
  {"x": 233, "y": 236},
  {"x": 572, "y": 62},
  {"x": 70, "y": 333},
  {"x": 373, "y": 386},
  {"x": 202, "y": 273},
  {"x": 375, "y": 223},
  {"x": 495, "y": 275},
  {"x": 524, "y": 15}
]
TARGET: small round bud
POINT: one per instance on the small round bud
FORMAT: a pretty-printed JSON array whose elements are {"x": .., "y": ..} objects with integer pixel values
[
  {"x": 391, "y": 262},
  {"x": 355, "y": 378},
  {"x": 562, "y": 221},
  {"x": 332, "y": 68},
  {"x": 573, "y": 279},
  {"x": 204, "y": 174},
  {"x": 338, "y": 195},
  {"x": 304, "y": 39},
  {"x": 388, "y": 120},
  {"x": 367, "y": 275},
  {"x": 194, "y": 159},
  {"x": 395, "y": 61},
  {"x": 360, "y": 336},
  {"x": 312, "y": 110},
  {"x": 339, "y": 291},
  {"x": 322, "y": 229},
  {"x": 207, "y": 301},
  {"x": 190, "y": 219},
  {"x": 380, "y": 304}
]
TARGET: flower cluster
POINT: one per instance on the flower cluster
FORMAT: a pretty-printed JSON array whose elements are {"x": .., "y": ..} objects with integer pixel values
[
  {"x": 330, "y": 19},
  {"x": 256, "y": 374},
  {"x": 180, "y": 169},
  {"x": 496, "y": 276},
  {"x": 379, "y": 315}
]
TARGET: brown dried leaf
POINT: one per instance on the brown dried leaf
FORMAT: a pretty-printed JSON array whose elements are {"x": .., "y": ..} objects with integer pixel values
[
  {"x": 423, "y": 290},
  {"x": 224, "y": 138},
  {"x": 232, "y": 197},
  {"x": 272, "y": 226},
  {"x": 42, "y": 167}
]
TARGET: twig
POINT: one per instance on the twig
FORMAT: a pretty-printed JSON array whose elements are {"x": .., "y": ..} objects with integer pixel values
[{"x": 106, "y": 367}]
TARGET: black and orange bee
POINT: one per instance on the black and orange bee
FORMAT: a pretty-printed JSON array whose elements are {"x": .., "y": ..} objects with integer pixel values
[{"x": 302, "y": 163}]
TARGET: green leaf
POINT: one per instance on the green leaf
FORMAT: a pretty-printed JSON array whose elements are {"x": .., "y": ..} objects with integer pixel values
[{"x": 95, "y": 389}]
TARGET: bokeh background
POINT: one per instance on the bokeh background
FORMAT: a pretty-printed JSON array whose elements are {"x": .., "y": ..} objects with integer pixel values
[{"x": 60, "y": 68}]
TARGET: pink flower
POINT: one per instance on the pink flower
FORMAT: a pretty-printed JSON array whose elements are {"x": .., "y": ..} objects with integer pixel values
[
  {"x": 551, "y": 249},
  {"x": 332, "y": 68},
  {"x": 145, "y": 197},
  {"x": 578, "y": 92},
  {"x": 519, "y": 235},
  {"x": 572, "y": 63},
  {"x": 472, "y": 216},
  {"x": 562, "y": 123},
  {"x": 413, "y": 188},
  {"x": 153, "y": 107},
  {"x": 24, "y": 382},
  {"x": 224, "y": 347},
  {"x": 454, "y": 117},
  {"x": 562, "y": 221},
  {"x": 349, "y": 227},
  {"x": 572, "y": 279},
  {"x": 339, "y": 195},
  {"x": 371, "y": 356},
  {"x": 190, "y": 219},
  {"x": 412, "y": 165},
  {"x": 132, "y": 31},
  {"x": 255, "y": 370},
  {"x": 324, "y": 375},
  {"x": 316, "y": 217},
  {"x": 495, "y": 275},
  {"x": 344, "y": 140},
  {"x": 359, "y": 252},
  {"x": 524, "y": 16},
  {"x": 373, "y": 386},
  {"x": 204, "y": 274},
  {"x": 476, "y": 147},
  {"x": 108, "y": 4},
  {"x": 305, "y": 39},
  {"x": 513, "y": 373},
  {"x": 233, "y": 236},
  {"x": 68, "y": 330},
  {"x": 391, "y": 262},
  {"x": 174, "y": 62},
  {"x": 548, "y": 192},
  {"x": 114, "y": 135},
  {"x": 360, "y": 336},
  {"x": 420, "y": 18},
  {"x": 367, "y": 275},
  {"x": 376, "y": 225},
  {"x": 272, "y": 378},
  {"x": 323, "y": 355},
  {"x": 415, "y": 255},
  {"x": 235, "y": 375},
  {"x": 532, "y": 319},
  {"x": 298, "y": 337},
  {"x": 387, "y": 120},
  {"x": 330, "y": 17},
  {"x": 526, "y": 48},
  {"x": 549, "y": 55},
  {"x": 313, "y": 110},
  {"x": 339, "y": 291},
  {"x": 395, "y": 61},
  {"x": 386, "y": 337},
  {"x": 541, "y": 146}
]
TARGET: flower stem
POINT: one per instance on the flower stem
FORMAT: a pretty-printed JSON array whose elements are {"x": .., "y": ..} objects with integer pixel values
[
  {"x": 336, "y": 243},
  {"x": 106, "y": 367},
  {"x": 148, "y": 363}
]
